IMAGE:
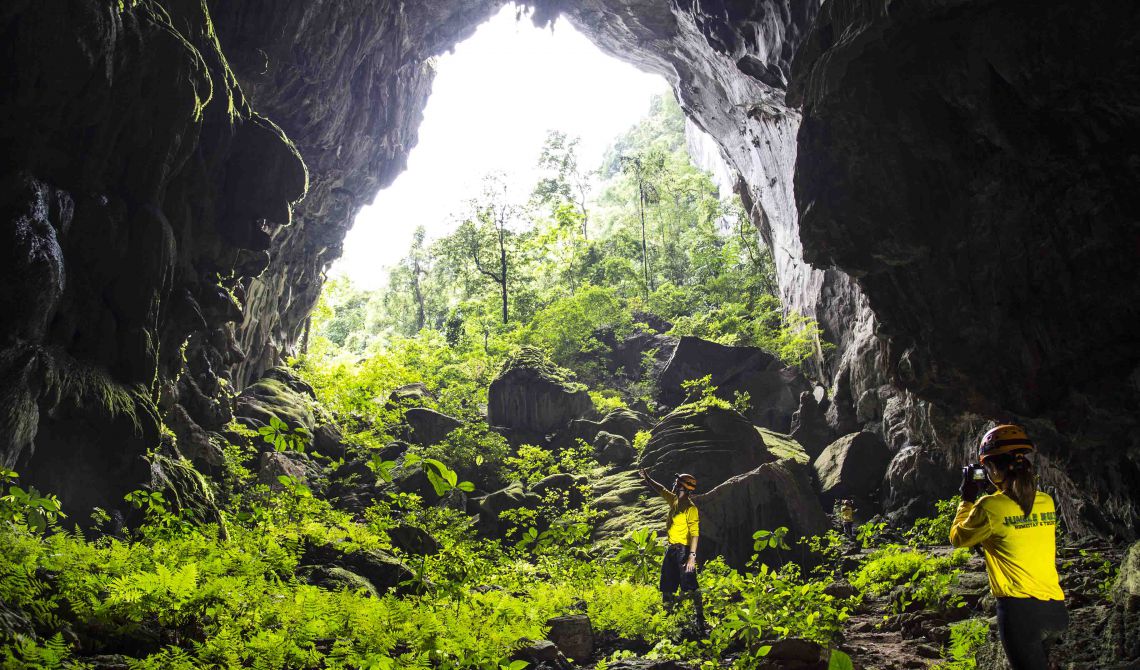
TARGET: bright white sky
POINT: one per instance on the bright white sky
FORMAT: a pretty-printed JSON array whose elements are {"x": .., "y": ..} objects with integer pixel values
[{"x": 493, "y": 100}]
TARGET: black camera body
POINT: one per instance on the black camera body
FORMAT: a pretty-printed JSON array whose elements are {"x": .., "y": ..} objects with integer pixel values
[{"x": 976, "y": 472}]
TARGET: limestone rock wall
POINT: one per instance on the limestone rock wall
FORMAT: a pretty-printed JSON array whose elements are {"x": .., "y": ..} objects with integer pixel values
[
  {"x": 947, "y": 186},
  {"x": 972, "y": 166},
  {"x": 137, "y": 188}
]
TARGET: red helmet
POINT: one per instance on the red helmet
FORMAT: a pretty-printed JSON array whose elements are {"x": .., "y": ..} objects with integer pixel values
[{"x": 1004, "y": 439}]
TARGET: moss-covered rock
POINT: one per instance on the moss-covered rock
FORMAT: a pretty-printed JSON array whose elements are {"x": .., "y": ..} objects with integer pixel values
[
  {"x": 707, "y": 441},
  {"x": 532, "y": 395}
]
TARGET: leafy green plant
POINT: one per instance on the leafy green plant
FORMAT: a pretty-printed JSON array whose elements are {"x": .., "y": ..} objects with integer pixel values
[
  {"x": 642, "y": 552},
  {"x": 934, "y": 531},
  {"x": 965, "y": 639},
  {"x": 441, "y": 477},
  {"x": 869, "y": 533},
  {"x": 282, "y": 438},
  {"x": 763, "y": 540},
  {"x": 29, "y": 509}
]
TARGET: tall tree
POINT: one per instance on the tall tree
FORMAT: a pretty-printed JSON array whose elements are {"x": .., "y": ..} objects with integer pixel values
[
  {"x": 565, "y": 183},
  {"x": 644, "y": 168},
  {"x": 488, "y": 238}
]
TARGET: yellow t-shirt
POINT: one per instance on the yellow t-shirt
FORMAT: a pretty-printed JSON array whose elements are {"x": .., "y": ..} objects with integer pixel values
[
  {"x": 847, "y": 513},
  {"x": 1020, "y": 549},
  {"x": 683, "y": 526}
]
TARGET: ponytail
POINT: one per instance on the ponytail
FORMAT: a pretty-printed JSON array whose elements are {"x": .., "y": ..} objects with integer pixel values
[{"x": 1020, "y": 479}]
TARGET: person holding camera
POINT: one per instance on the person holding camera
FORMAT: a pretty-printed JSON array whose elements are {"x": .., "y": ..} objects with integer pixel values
[
  {"x": 1016, "y": 528},
  {"x": 679, "y": 567}
]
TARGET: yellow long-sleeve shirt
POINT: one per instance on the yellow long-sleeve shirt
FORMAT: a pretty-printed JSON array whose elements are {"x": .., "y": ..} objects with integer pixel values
[
  {"x": 1020, "y": 549},
  {"x": 683, "y": 525}
]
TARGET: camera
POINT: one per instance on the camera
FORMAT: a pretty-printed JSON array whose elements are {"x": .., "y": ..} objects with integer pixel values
[{"x": 976, "y": 472}]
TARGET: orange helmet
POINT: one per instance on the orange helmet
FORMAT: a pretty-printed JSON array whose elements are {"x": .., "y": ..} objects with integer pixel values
[
  {"x": 689, "y": 482},
  {"x": 1004, "y": 439}
]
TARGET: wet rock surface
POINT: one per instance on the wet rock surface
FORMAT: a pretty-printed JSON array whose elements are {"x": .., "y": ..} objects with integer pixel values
[
  {"x": 710, "y": 443},
  {"x": 773, "y": 495},
  {"x": 531, "y": 396},
  {"x": 852, "y": 466},
  {"x": 773, "y": 388}
]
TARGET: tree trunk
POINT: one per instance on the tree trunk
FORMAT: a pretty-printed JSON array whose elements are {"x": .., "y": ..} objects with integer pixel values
[
  {"x": 503, "y": 270},
  {"x": 644, "y": 246}
]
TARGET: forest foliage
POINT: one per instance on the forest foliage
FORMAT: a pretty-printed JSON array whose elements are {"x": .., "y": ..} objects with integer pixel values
[{"x": 564, "y": 272}]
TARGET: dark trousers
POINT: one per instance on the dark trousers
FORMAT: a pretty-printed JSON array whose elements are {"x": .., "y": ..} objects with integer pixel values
[
  {"x": 1023, "y": 624},
  {"x": 673, "y": 575}
]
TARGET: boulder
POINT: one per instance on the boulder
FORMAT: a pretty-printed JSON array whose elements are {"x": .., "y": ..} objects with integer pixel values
[
  {"x": 782, "y": 446},
  {"x": 533, "y": 396},
  {"x": 625, "y": 504},
  {"x": 562, "y": 485},
  {"x": 810, "y": 427},
  {"x": 409, "y": 395},
  {"x": 631, "y": 354},
  {"x": 495, "y": 503},
  {"x": 709, "y": 442},
  {"x": 274, "y": 464},
  {"x": 413, "y": 540},
  {"x": 413, "y": 479},
  {"x": 1124, "y": 623},
  {"x": 281, "y": 394},
  {"x": 543, "y": 654},
  {"x": 916, "y": 476},
  {"x": 573, "y": 635},
  {"x": 852, "y": 466},
  {"x": 623, "y": 422},
  {"x": 329, "y": 441},
  {"x": 382, "y": 571},
  {"x": 334, "y": 578},
  {"x": 612, "y": 449},
  {"x": 774, "y": 388},
  {"x": 795, "y": 650},
  {"x": 766, "y": 498},
  {"x": 427, "y": 426}
]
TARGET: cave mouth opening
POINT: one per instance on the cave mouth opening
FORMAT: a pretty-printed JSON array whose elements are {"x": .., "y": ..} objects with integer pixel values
[
  {"x": 514, "y": 108},
  {"x": 495, "y": 98}
]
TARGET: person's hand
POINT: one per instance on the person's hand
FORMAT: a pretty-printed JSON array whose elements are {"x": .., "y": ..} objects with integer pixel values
[
  {"x": 970, "y": 487},
  {"x": 691, "y": 564},
  {"x": 643, "y": 473}
]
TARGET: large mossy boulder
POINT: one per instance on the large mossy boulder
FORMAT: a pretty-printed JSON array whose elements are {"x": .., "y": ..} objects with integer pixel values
[
  {"x": 852, "y": 466},
  {"x": 773, "y": 387},
  {"x": 704, "y": 440},
  {"x": 281, "y": 394},
  {"x": 771, "y": 496},
  {"x": 427, "y": 426},
  {"x": 625, "y": 504},
  {"x": 382, "y": 571},
  {"x": 492, "y": 505},
  {"x": 533, "y": 396}
]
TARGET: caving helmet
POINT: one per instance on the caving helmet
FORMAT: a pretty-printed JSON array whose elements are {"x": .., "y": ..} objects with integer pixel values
[
  {"x": 687, "y": 482},
  {"x": 1004, "y": 439}
]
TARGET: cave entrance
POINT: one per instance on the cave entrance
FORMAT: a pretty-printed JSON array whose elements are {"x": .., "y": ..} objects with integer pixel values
[
  {"x": 494, "y": 99},
  {"x": 556, "y": 200}
]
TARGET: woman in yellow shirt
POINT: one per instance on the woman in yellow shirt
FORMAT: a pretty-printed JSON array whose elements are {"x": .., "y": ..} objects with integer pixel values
[
  {"x": 679, "y": 567},
  {"x": 1016, "y": 528}
]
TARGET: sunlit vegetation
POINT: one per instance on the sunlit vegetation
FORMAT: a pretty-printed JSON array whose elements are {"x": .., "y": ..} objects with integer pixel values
[{"x": 558, "y": 277}]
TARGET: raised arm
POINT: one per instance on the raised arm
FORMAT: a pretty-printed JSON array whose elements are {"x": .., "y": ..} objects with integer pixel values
[{"x": 653, "y": 483}]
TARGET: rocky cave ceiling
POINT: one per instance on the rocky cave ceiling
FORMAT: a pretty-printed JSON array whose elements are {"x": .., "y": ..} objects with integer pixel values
[{"x": 949, "y": 186}]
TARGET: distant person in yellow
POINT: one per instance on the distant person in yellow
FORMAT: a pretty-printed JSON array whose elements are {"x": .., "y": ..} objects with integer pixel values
[
  {"x": 679, "y": 567},
  {"x": 1016, "y": 527},
  {"x": 847, "y": 517}
]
